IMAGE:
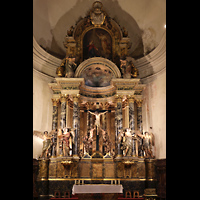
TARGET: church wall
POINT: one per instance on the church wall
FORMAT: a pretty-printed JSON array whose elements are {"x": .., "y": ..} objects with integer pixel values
[
  {"x": 42, "y": 108},
  {"x": 154, "y": 111}
]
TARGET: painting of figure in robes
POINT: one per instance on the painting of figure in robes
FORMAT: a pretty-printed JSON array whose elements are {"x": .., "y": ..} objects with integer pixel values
[{"x": 97, "y": 43}]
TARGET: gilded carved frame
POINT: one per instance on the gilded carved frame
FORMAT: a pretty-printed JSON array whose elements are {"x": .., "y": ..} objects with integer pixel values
[{"x": 74, "y": 41}]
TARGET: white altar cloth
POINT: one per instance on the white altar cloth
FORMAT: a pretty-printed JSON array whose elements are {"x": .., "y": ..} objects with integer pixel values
[{"x": 97, "y": 188}]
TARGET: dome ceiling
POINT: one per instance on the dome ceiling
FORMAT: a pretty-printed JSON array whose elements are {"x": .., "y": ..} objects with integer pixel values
[{"x": 143, "y": 19}]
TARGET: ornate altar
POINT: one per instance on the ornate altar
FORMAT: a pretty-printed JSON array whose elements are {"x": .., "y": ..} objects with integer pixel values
[{"x": 97, "y": 133}]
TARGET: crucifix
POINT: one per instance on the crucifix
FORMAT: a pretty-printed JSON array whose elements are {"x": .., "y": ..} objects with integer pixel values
[{"x": 97, "y": 113}]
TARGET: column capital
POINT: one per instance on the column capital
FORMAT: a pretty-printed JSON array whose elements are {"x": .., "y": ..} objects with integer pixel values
[
  {"x": 130, "y": 98},
  {"x": 63, "y": 97},
  {"x": 118, "y": 97},
  {"x": 55, "y": 102},
  {"x": 75, "y": 97},
  {"x": 139, "y": 102}
]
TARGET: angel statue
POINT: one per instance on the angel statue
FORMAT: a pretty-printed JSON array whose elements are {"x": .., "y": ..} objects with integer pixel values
[
  {"x": 69, "y": 67},
  {"x": 148, "y": 142}
]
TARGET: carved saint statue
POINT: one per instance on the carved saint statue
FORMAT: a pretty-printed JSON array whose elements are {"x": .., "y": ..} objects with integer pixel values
[
  {"x": 87, "y": 141},
  {"x": 66, "y": 141},
  {"x": 46, "y": 145},
  {"x": 106, "y": 142},
  {"x": 127, "y": 144}
]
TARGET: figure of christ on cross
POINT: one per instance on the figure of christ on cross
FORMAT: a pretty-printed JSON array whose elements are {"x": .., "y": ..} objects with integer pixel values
[{"x": 97, "y": 115}]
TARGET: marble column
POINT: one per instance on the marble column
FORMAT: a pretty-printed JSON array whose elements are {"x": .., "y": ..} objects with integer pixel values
[
  {"x": 139, "y": 116},
  {"x": 55, "y": 114},
  {"x": 63, "y": 111},
  {"x": 118, "y": 116},
  {"x": 67, "y": 112},
  {"x": 139, "y": 125},
  {"x": 76, "y": 125},
  {"x": 131, "y": 113},
  {"x": 132, "y": 120}
]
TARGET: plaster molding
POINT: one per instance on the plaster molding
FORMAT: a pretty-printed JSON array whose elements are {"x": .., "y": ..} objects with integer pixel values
[
  {"x": 43, "y": 61},
  {"x": 43, "y": 76},
  {"x": 154, "y": 61}
]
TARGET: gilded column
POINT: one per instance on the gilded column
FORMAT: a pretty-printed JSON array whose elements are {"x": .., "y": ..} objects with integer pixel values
[
  {"x": 55, "y": 114},
  {"x": 63, "y": 111},
  {"x": 76, "y": 125},
  {"x": 118, "y": 116}
]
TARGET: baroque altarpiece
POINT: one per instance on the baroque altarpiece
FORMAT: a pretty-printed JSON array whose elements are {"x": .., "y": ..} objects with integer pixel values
[{"x": 97, "y": 133}]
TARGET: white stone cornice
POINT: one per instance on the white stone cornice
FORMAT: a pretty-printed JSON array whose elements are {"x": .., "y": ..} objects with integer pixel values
[
  {"x": 154, "y": 62},
  {"x": 43, "y": 61}
]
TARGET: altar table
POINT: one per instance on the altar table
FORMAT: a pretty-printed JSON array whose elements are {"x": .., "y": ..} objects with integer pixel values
[
  {"x": 120, "y": 198},
  {"x": 97, "y": 188},
  {"x": 72, "y": 198}
]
